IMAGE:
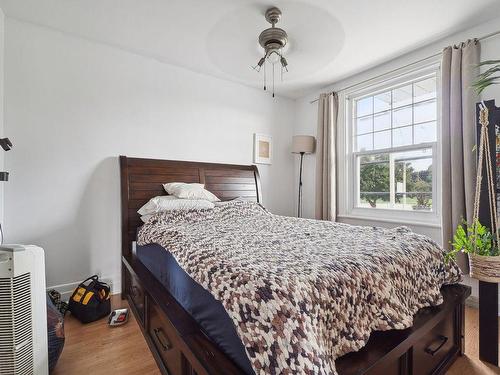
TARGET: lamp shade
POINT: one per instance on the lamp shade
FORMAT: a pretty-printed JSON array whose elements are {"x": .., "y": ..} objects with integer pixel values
[{"x": 303, "y": 143}]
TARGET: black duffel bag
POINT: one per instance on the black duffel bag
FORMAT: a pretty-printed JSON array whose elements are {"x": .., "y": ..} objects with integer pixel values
[{"x": 90, "y": 300}]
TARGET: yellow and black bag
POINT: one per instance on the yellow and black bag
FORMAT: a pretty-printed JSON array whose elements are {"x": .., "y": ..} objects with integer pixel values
[{"x": 90, "y": 300}]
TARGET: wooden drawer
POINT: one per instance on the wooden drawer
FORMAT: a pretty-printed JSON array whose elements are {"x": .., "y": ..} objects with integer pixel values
[
  {"x": 136, "y": 294},
  {"x": 165, "y": 339},
  {"x": 206, "y": 358},
  {"x": 431, "y": 350}
]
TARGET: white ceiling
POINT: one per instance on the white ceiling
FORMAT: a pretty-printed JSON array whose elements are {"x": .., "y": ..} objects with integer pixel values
[{"x": 329, "y": 39}]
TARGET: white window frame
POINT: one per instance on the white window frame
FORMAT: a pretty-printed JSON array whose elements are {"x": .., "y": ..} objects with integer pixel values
[{"x": 347, "y": 176}]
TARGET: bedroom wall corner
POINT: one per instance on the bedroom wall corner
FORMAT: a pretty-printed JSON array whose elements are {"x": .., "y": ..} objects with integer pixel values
[{"x": 73, "y": 105}]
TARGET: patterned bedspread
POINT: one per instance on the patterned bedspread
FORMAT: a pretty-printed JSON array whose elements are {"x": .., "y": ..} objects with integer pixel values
[{"x": 301, "y": 292}]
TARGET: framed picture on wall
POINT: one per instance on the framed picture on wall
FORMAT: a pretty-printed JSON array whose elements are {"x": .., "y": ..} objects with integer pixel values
[{"x": 262, "y": 148}]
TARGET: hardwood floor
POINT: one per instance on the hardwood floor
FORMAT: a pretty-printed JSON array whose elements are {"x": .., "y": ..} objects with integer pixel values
[
  {"x": 470, "y": 363},
  {"x": 97, "y": 349}
]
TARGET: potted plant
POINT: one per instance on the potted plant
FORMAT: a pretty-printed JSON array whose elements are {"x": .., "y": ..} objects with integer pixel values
[{"x": 478, "y": 243}]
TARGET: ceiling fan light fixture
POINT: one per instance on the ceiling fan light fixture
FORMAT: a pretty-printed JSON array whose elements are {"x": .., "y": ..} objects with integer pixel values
[
  {"x": 259, "y": 64},
  {"x": 284, "y": 63}
]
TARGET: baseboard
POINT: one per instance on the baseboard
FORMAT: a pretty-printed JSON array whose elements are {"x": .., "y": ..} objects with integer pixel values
[
  {"x": 473, "y": 302},
  {"x": 67, "y": 290}
]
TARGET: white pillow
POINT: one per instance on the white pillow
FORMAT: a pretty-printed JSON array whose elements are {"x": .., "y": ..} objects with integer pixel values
[
  {"x": 170, "y": 203},
  {"x": 189, "y": 191}
]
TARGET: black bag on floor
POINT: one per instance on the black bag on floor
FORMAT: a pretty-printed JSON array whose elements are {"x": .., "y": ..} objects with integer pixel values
[{"x": 90, "y": 300}]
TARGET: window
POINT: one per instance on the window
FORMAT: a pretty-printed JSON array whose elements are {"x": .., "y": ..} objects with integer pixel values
[{"x": 393, "y": 137}]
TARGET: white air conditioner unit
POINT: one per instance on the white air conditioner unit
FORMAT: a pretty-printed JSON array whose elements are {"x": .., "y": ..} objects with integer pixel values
[{"x": 23, "y": 311}]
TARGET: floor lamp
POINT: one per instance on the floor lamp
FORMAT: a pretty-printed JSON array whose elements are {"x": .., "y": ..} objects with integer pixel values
[{"x": 302, "y": 144}]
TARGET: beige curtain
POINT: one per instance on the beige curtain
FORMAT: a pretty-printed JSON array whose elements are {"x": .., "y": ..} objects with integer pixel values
[
  {"x": 326, "y": 205},
  {"x": 458, "y": 135}
]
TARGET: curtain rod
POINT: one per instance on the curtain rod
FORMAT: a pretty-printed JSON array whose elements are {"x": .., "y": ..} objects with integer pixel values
[{"x": 487, "y": 36}]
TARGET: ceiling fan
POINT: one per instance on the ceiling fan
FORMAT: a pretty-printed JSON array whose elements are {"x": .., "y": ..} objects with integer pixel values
[{"x": 273, "y": 40}]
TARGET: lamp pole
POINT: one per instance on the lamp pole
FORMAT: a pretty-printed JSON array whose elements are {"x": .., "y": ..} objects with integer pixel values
[{"x": 299, "y": 205}]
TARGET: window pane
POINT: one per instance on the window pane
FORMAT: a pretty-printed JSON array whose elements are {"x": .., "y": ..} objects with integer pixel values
[
  {"x": 364, "y": 106},
  {"x": 424, "y": 90},
  {"x": 425, "y": 111},
  {"x": 364, "y": 125},
  {"x": 412, "y": 189},
  {"x": 374, "y": 189},
  {"x": 364, "y": 142},
  {"x": 413, "y": 176},
  {"x": 382, "y": 140},
  {"x": 425, "y": 132},
  {"x": 402, "y": 96},
  {"x": 382, "y": 102},
  {"x": 402, "y": 136},
  {"x": 402, "y": 117},
  {"x": 382, "y": 121},
  {"x": 367, "y": 159}
]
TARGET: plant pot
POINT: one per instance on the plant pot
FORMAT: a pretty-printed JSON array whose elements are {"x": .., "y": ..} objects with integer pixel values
[{"x": 485, "y": 268}]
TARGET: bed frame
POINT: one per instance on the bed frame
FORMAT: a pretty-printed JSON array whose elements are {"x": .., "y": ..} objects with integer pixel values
[{"x": 178, "y": 343}]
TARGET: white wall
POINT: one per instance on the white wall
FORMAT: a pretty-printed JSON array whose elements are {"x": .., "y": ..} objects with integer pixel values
[{"x": 73, "y": 106}]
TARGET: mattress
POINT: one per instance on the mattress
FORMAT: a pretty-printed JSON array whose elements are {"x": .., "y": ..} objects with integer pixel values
[{"x": 198, "y": 302}]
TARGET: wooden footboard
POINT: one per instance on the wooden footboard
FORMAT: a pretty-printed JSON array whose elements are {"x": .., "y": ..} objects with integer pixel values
[{"x": 180, "y": 347}]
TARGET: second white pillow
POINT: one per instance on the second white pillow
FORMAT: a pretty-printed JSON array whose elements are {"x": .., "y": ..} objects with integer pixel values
[{"x": 189, "y": 191}]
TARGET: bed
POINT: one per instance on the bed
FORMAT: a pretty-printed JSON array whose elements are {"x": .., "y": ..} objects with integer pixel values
[{"x": 184, "y": 343}]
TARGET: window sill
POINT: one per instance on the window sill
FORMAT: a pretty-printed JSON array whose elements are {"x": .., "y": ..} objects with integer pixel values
[{"x": 391, "y": 221}]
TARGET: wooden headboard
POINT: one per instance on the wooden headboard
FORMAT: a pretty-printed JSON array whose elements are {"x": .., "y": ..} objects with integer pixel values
[{"x": 142, "y": 179}]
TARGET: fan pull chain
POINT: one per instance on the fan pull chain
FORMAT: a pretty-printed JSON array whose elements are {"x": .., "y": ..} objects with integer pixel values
[
  {"x": 273, "y": 80},
  {"x": 265, "y": 76}
]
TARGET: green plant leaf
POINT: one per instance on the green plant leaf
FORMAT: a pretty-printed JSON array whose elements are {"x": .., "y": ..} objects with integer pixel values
[
  {"x": 482, "y": 83},
  {"x": 472, "y": 238},
  {"x": 490, "y": 71},
  {"x": 486, "y": 78}
]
